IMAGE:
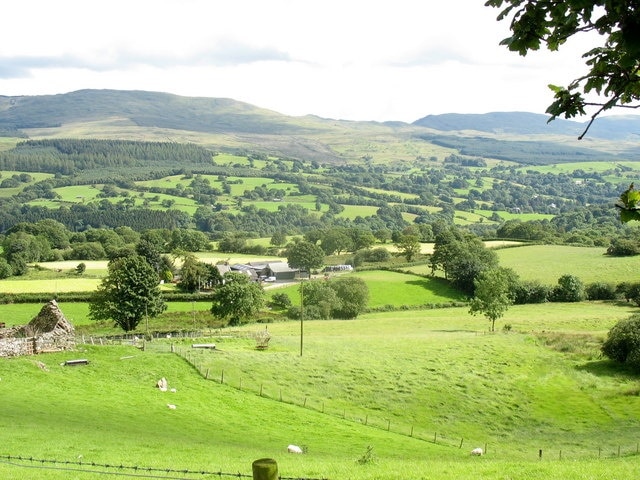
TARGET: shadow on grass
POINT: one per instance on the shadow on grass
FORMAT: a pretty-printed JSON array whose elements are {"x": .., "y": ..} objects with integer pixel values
[
  {"x": 438, "y": 286},
  {"x": 609, "y": 368}
]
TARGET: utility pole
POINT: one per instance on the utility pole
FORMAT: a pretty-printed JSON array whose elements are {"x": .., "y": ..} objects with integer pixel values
[{"x": 301, "y": 313}]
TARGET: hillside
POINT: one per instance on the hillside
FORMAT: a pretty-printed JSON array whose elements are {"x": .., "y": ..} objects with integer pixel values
[
  {"x": 523, "y": 123},
  {"x": 226, "y": 123}
]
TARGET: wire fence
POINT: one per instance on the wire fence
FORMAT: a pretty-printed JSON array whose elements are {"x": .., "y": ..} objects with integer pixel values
[
  {"x": 564, "y": 452},
  {"x": 132, "y": 471},
  {"x": 555, "y": 452}
]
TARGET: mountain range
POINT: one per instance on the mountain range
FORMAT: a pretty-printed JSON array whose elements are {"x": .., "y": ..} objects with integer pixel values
[{"x": 227, "y": 123}]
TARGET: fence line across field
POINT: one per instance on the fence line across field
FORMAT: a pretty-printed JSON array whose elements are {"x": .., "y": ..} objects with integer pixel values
[
  {"x": 547, "y": 453},
  {"x": 136, "y": 471}
]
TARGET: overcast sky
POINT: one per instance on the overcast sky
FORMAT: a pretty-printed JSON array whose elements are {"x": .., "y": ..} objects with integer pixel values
[{"x": 345, "y": 59}]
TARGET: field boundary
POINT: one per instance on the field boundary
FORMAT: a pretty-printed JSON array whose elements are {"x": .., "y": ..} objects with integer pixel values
[
  {"x": 122, "y": 470},
  {"x": 547, "y": 453}
]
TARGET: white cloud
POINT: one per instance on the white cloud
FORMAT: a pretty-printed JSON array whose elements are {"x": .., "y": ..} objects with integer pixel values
[{"x": 354, "y": 59}]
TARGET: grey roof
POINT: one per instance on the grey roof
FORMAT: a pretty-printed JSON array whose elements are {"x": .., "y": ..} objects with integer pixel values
[{"x": 281, "y": 267}]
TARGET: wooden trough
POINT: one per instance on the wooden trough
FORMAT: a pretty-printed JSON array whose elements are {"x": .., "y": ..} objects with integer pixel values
[{"x": 79, "y": 361}]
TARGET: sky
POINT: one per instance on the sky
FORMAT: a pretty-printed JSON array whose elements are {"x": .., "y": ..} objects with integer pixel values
[{"x": 382, "y": 60}]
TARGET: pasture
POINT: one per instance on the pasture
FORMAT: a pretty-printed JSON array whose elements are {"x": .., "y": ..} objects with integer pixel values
[
  {"x": 547, "y": 263},
  {"x": 413, "y": 385},
  {"x": 389, "y": 289}
]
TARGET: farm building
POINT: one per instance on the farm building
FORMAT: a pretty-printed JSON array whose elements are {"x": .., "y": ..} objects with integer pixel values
[
  {"x": 49, "y": 331},
  {"x": 281, "y": 271},
  {"x": 275, "y": 271}
]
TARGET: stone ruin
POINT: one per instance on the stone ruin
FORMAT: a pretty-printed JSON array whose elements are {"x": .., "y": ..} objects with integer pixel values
[{"x": 49, "y": 331}]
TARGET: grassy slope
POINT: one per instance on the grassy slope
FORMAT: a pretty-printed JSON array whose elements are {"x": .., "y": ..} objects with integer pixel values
[
  {"x": 430, "y": 370},
  {"x": 547, "y": 263}
]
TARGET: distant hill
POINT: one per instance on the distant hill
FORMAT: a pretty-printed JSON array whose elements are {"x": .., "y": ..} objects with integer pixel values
[
  {"x": 224, "y": 123},
  {"x": 145, "y": 109},
  {"x": 523, "y": 123}
]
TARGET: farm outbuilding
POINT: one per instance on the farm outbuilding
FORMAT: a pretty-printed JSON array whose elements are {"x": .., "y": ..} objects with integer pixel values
[
  {"x": 49, "y": 331},
  {"x": 281, "y": 271}
]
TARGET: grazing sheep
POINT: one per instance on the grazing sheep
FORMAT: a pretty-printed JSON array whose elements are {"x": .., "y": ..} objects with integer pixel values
[
  {"x": 162, "y": 384},
  {"x": 171, "y": 406},
  {"x": 294, "y": 449},
  {"x": 477, "y": 451}
]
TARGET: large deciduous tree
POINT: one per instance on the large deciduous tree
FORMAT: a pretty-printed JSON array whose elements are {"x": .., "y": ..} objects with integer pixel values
[
  {"x": 409, "y": 246},
  {"x": 344, "y": 297},
  {"x": 462, "y": 257},
  {"x": 353, "y": 294},
  {"x": 129, "y": 293},
  {"x": 612, "y": 64},
  {"x": 238, "y": 299},
  {"x": 305, "y": 256}
]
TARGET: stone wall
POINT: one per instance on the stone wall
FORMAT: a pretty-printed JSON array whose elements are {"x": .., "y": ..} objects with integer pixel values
[{"x": 49, "y": 331}]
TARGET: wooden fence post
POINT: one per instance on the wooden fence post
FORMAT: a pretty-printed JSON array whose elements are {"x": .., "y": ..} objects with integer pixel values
[{"x": 265, "y": 469}]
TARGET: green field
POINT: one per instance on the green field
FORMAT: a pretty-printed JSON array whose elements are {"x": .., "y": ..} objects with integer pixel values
[
  {"x": 421, "y": 388},
  {"x": 547, "y": 263},
  {"x": 584, "y": 166}
]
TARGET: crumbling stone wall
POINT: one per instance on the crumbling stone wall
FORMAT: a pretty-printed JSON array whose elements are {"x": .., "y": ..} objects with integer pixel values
[{"x": 49, "y": 331}]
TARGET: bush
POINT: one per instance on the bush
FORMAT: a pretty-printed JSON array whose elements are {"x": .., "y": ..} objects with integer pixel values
[
  {"x": 600, "y": 291},
  {"x": 5, "y": 269},
  {"x": 623, "y": 342},
  {"x": 531, "y": 292},
  {"x": 280, "y": 301},
  {"x": 377, "y": 255},
  {"x": 623, "y": 247},
  {"x": 629, "y": 291},
  {"x": 569, "y": 289}
]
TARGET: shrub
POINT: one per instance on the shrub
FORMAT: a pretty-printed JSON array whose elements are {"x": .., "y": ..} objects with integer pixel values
[
  {"x": 5, "y": 269},
  {"x": 623, "y": 342},
  {"x": 623, "y": 247},
  {"x": 600, "y": 291},
  {"x": 569, "y": 289},
  {"x": 531, "y": 292},
  {"x": 630, "y": 292},
  {"x": 378, "y": 255},
  {"x": 280, "y": 301}
]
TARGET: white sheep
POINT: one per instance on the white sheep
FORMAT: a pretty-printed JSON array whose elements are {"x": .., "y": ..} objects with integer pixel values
[
  {"x": 294, "y": 449},
  {"x": 171, "y": 406},
  {"x": 477, "y": 451}
]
